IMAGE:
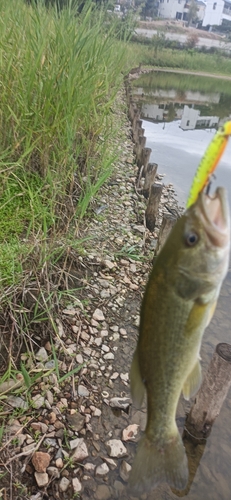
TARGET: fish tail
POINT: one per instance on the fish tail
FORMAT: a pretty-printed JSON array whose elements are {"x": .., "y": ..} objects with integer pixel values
[{"x": 156, "y": 464}]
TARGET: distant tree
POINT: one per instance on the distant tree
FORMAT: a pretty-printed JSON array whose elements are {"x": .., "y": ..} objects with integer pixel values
[
  {"x": 192, "y": 12},
  {"x": 149, "y": 8}
]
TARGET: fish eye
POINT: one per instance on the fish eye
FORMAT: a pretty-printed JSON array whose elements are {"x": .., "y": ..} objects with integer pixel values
[{"x": 191, "y": 239}]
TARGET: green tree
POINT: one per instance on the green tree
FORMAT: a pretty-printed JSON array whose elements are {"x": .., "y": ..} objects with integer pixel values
[{"x": 192, "y": 12}]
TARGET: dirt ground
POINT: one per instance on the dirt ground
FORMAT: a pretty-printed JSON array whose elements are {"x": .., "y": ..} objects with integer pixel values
[{"x": 174, "y": 26}]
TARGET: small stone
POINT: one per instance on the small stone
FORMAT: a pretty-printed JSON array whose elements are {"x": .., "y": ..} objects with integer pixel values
[
  {"x": 114, "y": 376},
  {"x": 89, "y": 467},
  {"x": 17, "y": 402},
  {"x": 74, "y": 443},
  {"x": 59, "y": 463},
  {"x": 124, "y": 377},
  {"x": 76, "y": 420},
  {"x": 121, "y": 403},
  {"x": 52, "y": 417},
  {"x": 109, "y": 264},
  {"x": 83, "y": 391},
  {"x": 41, "y": 355},
  {"x": 97, "y": 412},
  {"x": 130, "y": 432},
  {"x": 50, "y": 397},
  {"x": 79, "y": 359},
  {"x": 80, "y": 452},
  {"x": 112, "y": 464},
  {"x": 98, "y": 315},
  {"x": 76, "y": 485},
  {"x": 123, "y": 332},
  {"x": 41, "y": 461},
  {"x": 105, "y": 348},
  {"x": 64, "y": 483},
  {"x": 53, "y": 472},
  {"x": 38, "y": 401},
  {"x": 102, "y": 470},
  {"x": 115, "y": 448},
  {"x": 124, "y": 470},
  {"x": 108, "y": 356},
  {"x": 98, "y": 341},
  {"x": 42, "y": 479}
]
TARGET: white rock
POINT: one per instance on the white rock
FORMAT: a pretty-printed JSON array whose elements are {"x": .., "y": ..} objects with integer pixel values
[
  {"x": 98, "y": 341},
  {"x": 41, "y": 355},
  {"x": 124, "y": 470},
  {"x": 42, "y": 479},
  {"x": 89, "y": 467},
  {"x": 97, "y": 412},
  {"x": 38, "y": 401},
  {"x": 108, "y": 356},
  {"x": 112, "y": 464},
  {"x": 115, "y": 448},
  {"x": 76, "y": 485},
  {"x": 102, "y": 470},
  {"x": 109, "y": 264},
  {"x": 64, "y": 483},
  {"x": 130, "y": 432},
  {"x": 79, "y": 359},
  {"x": 83, "y": 391},
  {"x": 124, "y": 377},
  {"x": 105, "y": 348},
  {"x": 98, "y": 315},
  {"x": 80, "y": 452}
]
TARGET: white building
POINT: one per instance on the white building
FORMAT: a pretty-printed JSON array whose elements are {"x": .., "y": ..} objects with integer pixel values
[
  {"x": 211, "y": 13},
  {"x": 191, "y": 119},
  {"x": 178, "y": 9},
  {"x": 216, "y": 11}
]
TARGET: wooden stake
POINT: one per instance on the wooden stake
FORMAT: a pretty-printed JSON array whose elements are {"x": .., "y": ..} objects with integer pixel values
[
  {"x": 168, "y": 222},
  {"x": 149, "y": 178},
  {"x": 153, "y": 205},
  {"x": 212, "y": 393}
]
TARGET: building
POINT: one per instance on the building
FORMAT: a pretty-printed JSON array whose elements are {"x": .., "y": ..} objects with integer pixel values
[
  {"x": 216, "y": 12},
  {"x": 178, "y": 9}
]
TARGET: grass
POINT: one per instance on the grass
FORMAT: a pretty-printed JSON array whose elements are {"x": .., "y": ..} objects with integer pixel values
[
  {"x": 59, "y": 76},
  {"x": 153, "y": 53}
]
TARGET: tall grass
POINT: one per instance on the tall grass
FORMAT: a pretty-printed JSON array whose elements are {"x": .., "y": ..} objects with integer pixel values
[{"x": 60, "y": 72}]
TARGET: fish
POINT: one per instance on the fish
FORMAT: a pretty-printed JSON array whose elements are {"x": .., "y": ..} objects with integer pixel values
[
  {"x": 209, "y": 162},
  {"x": 178, "y": 304}
]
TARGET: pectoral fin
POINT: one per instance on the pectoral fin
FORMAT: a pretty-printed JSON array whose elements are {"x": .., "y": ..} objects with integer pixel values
[
  {"x": 192, "y": 382},
  {"x": 211, "y": 312},
  {"x": 137, "y": 385}
]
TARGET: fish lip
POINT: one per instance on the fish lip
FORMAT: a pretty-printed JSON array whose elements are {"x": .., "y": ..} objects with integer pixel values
[{"x": 215, "y": 216}]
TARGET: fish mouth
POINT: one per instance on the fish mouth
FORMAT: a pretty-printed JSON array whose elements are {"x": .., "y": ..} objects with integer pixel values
[{"x": 215, "y": 216}]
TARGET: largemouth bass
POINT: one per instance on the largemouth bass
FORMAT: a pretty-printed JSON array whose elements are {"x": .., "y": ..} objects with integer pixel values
[{"x": 178, "y": 304}]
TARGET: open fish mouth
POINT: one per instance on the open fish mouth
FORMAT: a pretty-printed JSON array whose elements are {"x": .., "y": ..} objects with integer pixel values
[{"x": 215, "y": 216}]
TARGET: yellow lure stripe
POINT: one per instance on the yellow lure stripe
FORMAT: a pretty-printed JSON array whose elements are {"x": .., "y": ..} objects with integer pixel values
[{"x": 209, "y": 162}]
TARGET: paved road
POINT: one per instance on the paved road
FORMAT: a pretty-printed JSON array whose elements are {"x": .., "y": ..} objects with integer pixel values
[{"x": 206, "y": 42}]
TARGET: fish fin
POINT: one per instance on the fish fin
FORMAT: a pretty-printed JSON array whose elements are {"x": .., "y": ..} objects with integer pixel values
[
  {"x": 137, "y": 385},
  {"x": 211, "y": 312},
  {"x": 192, "y": 382},
  {"x": 156, "y": 464}
]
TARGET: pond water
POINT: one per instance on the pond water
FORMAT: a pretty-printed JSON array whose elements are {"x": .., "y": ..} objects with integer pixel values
[{"x": 180, "y": 116}]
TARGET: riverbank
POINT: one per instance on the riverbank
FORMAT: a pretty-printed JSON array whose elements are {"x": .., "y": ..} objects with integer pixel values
[{"x": 87, "y": 364}]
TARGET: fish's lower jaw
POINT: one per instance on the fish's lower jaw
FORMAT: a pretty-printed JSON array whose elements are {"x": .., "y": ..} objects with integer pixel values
[{"x": 154, "y": 465}]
